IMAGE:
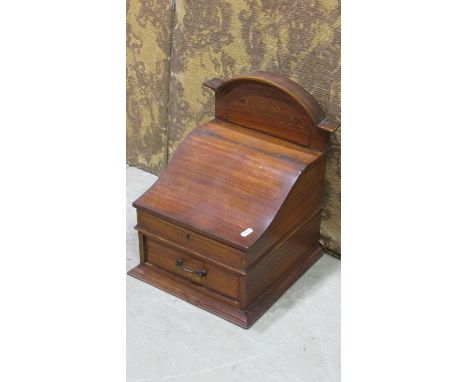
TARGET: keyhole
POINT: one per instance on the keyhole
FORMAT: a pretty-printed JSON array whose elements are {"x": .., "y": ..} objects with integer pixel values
[{"x": 188, "y": 236}]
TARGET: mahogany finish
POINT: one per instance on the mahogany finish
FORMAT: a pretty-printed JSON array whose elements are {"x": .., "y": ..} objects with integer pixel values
[{"x": 234, "y": 219}]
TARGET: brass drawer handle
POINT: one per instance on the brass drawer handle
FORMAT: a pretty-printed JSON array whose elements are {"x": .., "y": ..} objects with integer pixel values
[{"x": 180, "y": 264}]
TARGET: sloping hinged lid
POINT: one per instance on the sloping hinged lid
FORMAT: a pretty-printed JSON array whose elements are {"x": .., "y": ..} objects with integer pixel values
[{"x": 226, "y": 181}]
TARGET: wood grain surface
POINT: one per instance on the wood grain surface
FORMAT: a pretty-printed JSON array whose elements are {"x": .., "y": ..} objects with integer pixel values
[{"x": 234, "y": 219}]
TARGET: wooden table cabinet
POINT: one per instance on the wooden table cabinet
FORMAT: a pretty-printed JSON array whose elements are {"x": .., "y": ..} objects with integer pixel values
[{"x": 234, "y": 219}]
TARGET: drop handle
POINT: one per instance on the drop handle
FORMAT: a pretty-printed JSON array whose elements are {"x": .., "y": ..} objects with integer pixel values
[{"x": 180, "y": 264}]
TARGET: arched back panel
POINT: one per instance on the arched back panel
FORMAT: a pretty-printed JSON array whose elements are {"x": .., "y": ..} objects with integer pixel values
[{"x": 272, "y": 104}]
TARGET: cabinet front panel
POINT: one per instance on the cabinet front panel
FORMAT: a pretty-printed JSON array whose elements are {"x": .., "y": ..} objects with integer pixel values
[
  {"x": 191, "y": 240},
  {"x": 163, "y": 255}
]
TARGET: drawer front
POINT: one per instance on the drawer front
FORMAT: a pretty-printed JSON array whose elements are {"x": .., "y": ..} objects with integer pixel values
[
  {"x": 191, "y": 240},
  {"x": 163, "y": 255}
]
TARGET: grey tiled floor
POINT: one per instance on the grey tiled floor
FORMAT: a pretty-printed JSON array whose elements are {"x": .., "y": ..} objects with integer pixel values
[{"x": 298, "y": 339}]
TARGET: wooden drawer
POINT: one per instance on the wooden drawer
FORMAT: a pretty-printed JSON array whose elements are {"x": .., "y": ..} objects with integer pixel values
[
  {"x": 163, "y": 255},
  {"x": 191, "y": 240}
]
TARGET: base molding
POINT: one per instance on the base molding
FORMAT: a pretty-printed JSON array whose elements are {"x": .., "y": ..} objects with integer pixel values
[{"x": 174, "y": 285}]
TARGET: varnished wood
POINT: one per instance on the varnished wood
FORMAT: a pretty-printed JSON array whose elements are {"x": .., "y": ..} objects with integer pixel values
[
  {"x": 234, "y": 220},
  {"x": 214, "y": 303},
  {"x": 221, "y": 183},
  {"x": 195, "y": 243},
  {"x": 273, "y": 104},
  {"x": 162, "y": 254}
]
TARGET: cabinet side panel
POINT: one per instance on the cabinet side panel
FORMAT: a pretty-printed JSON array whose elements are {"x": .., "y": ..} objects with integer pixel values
[
  {"x": 303, "y": 202},
  {"x": 275, "y": 265}
]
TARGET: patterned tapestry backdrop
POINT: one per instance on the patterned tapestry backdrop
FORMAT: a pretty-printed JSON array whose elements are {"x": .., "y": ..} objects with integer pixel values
[
  {"x": 222, "y": 38},
  {"x": 149, "y": 34}
]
